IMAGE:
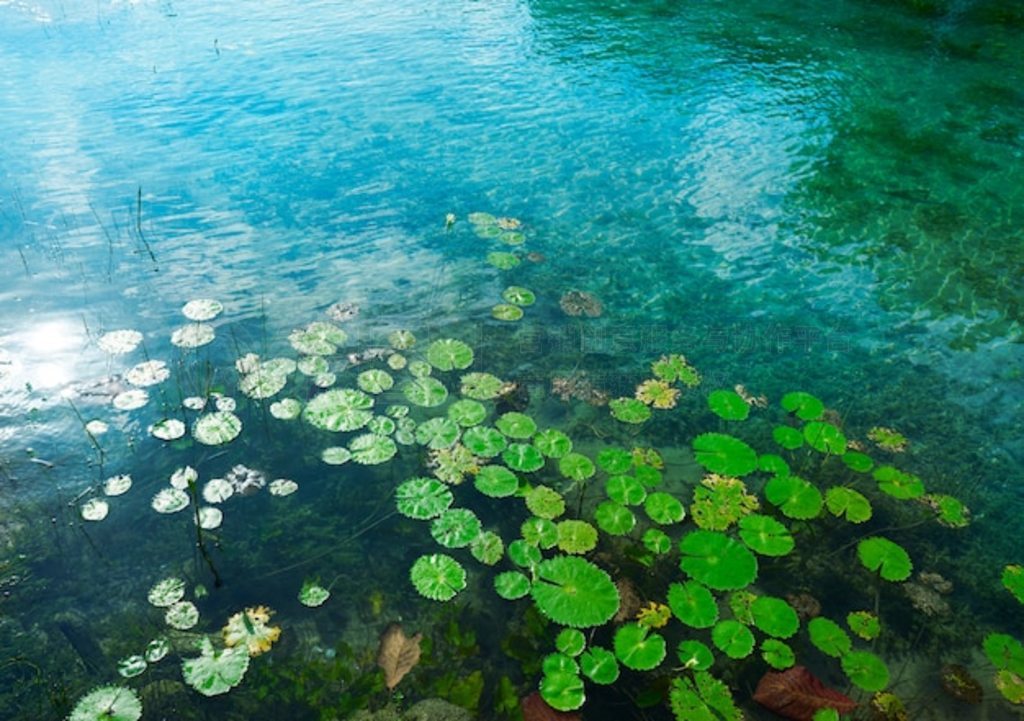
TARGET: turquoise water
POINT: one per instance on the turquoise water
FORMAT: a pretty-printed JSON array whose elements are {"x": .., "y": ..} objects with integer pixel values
[{"x": 800, "y": 196}]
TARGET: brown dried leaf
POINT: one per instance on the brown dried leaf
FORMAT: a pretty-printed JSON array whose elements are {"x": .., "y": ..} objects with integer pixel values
[{"x": 397, "y": 654}]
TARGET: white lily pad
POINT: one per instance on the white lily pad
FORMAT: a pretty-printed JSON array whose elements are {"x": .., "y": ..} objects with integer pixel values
[
  {"x": 286, "y": 409},
  {"x": 218, "y": 490},
  {"x": 183, "y": 476},
  {"x": 169, "y": 429},
  {"x": 96, "y": 427},
  {"x": 217, "y": 428},
  {"x": 116, "y": 485},
  {"x": 94, "y": 509},
  {"x": 166, "y": 592},
  {"x": 119, "y": 342},
  {"x": 282, "y": 487},
  {"x": 202, "y": 309},
  {"x": 336, "y": 455},
  {"x": 157, "y": 649},
  {"x": 169, "y": 500},
  {"x": 193, "y": 336},
  {"x": 194, "y": 403},
  {"x": 130, "y": 400},
  {"x": 182, "y": 615},
  {"x": 131, "y": 666},
  {"x": 210, "y": 517},
  {"x": 148, "y": 373}
]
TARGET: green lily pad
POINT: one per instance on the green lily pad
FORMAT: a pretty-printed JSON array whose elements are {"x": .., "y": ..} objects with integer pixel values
[
  {"x": 788, "y": 438},
  {"x": 375, "y": 381},
  {"x": 340, "y": 409},
  {"x": 777, "y": 654},
  {"x": 166, "y": 592},
  {"x": 576, "y": 466},
  {"x": 506, "y": 311},
  {"x": 131, "y": 666},
  {"x": 599, "y": 665},
  {"x": 503, "y": 261},
  {"x": 629, "y": 410},
  {"x": 215, "y": 672},
  {"x": 773, "y": 464},
  {"x": 437, "y": 576},
  {"x": 455, "y": 528},
  {"x": 846, "y": 502},
  {"x": 382, "y": 425},
  {"x": 825, "y": 437},
  {"x": 614, "y": 518},
  {"x": 728, "y": 405},
  {"x": 481, "y": 386},
  {"x": 614, "y": 460},
  {"x": 574, "y": 592},
  {"x": 523, "y": 457},
  {"x": 420, "y": 369},
  {"x": 888, "y": 558},
  {"x": 182, "y": 615},
  {"x": 732, "y": 638},
  {"x": 638, "y": 648},
  {"x": 524, "y": 554},
  {"x": 576, "y": 536},
  {"x": 496, "y": 481},
  {"x": 724, "y": 454},
  {"x": 794, "y": 496},
  {"x": 562, "y": 690},
  {"x": 857, "y": 461},
  {"x": 545, "y": 502},
  {"x": 674, "y": 368},
  {"x": 217, "y": 428},
  {"x": 716, "y": 560},
  {"x": 487, "y": 548},
  {"x": 865, "y": 624},
  {"x": 693, "y": 604},
  {"x": 370, "y": 449},
  {"x": 449, "y": 354},
  {"x": 765, "y": 535},
  {"x": 949, "y": 511},
  {"x": 552, "y": 443},
  {"x": 626, "y": 490},
  {"x": 695, "y": 656},
  {"x": 438, "y": 433},
  {"x": 511, "y": 585},
  {"x": 108, "y": 703},
  {"x": 829, "y": 637},
  {"x": 1013, "y": 580},
  {"x": 427, "y": 392},
  {"x": 803, "y": 405},
  {"x": 540, "y": 532},
  {"x": 571, "y": 642},
  {"x": 517, "y": 295},
  {"x": 898, "y": 484},
  {"x": 516, "y": 425},
  {"x": 336, "y": 455},
  {"x": 1005, "y": 652},
  {"x": 467, "y": 412},
  {"x": 774, "y": 616},
  {"x": 484, "y": 441},
  {"x": 664, "y": 508},
  {"x": 312, "y": 594},
  {"x": 656, "y": 541},
  {"x": 313, "y": 365},
  {"x": 866, "y": 670},
  {"x": 401, "y": 339},
  {"x": 423, "y": 498}
]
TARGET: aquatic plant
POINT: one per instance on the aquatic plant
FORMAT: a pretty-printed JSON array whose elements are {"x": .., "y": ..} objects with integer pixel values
[
  {"x": 108, "y": 703},
  {"x": 217, "y": 428},
  {"x": 455, "y": 527},
  {"x": 657, "y": 393},
  {"x": 732, "y": 638},
  {"x": 864, "y": 623},
  {"x": 341, "y": 409},
  {"x": 120, "y": 342},
  {"x": 728, "y": 405},
  {"x": 1013, "y": 580},
  {"x": 182, "y": 615},
  {"x": 574, "y": 592},
  {"x": 888, "y": 558},
  {"x": 724, "y": 454},
  {"x": 718, "y": 561},
  {"x": 507, "y": 312},
  {"x": 426, "y": 392},
  {"x": 95, "y": 509},
  {"x": 437, "y": 576},
  {"x": 215, "y": 672},
  {"x": 629, "y": 410},
  {"x": 166, "y": 592},
  {"x": 517, "y": 295},
  {"x": 250, "y": 629},
  {"x": 200, "y": 309},
  {"x": 131, "y": 666},
  {"x": 638, "y": 648},
  {"x": 449, "y": 354}
]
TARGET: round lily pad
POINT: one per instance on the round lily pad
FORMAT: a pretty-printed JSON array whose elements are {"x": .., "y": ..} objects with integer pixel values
[
  {"x": 825, "y": 437},
  {"x": 108, "y": 703},
  {"x": 467, "y": 412},
  {"x": 717, "y": 560},
  {"x": 484, "y": 441},
  {"x": 695, "y": 655},
  {"x": 562, "y": 690},
  {"x": 774, "y": 616},
  {"x": 777, "y": 654},
  {"x": 437, "y": 433},
  {"x": 437, "y": 576},
  {"x": 728, "y": 405},
  {"x": 576, "y": 466},
  {"x": 517, "y": 295},
  {"x": 523, "y": 457},
  {"x": 626, "y": 490},
  {"x": 523, "y": 554},
  {"x": 614, "y": 460},
  {"x": 866, "y": 670},
  {"x": 511, "y": 585},
  {"x": 375, "y": 381},
  {"x": 487, "y": 548},
  {"x": 496, "y": 481},
  {"x": 732, "y": 638},
  {"x": 455, "y": 528},
  {"x": 794, "y": 496},
  {"x": 166, "y": 592},
  {"x": 503, "y": 261},
  {"x": 614, "y": 518},
  {"x": 553, "y": 443},
  {"x": 119, "y": 342},
  {"x": 787, "y": 437},
  {"x": 481, "y": 386},
  {"x": 664, "y": 508},
  {"x": 423, "y": 498},
  {"x": 516, "y": 425},
  {"x": 888, "y": 558},
  {"x": 341, "y": 409},
  {"x": 182, "y": 615},
  {"x": 193, "y": 335},
  {"x": 169, "y": 500},
  {"x": 844, "y": 502},
  {"x": 371, "y": 449},
  {"x": 401, "y": 339},
  {"x": 656, "y": 541},
  {"x": 313, "y": 594},
  {"x": 571, "y": 642},
  {"x": 638, "y": 648},
  {"x": 202, "y": 309},
  {"x": 724, "y": 454},
  {"x": 765, "y": 535},
  {"x": 540, "y": 532},
  {"x": 898, "y": 484},
  {"x": 829, "y": 637},
  {"x": 574, "y": 592},
  {"x": 864, "y": 623},
  {"x": 599, "y": 665},
  {"x": 336, "y": 455},
  {"x": 803, "y": 405},
  {"x": 575, "y": 536},
  {"x": 427, "y": 392},
  {"x": 217, "y": 428},
  {"x": 629, "y": 410},
  {"x": 693, "y": 604},
  {"x": 545, "y": 502},
  {"x": 449, "y": 354},
  {"x": 506, "y": 311}
]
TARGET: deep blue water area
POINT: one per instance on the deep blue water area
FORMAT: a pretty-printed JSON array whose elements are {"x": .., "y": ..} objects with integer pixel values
[{"x": 798, "y": 196}]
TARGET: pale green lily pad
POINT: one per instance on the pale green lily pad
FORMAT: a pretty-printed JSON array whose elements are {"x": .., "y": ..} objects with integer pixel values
[
  {"x": 481, "y": 386},
  {"x": 312, "y": 594},
  {"x": 502, "y": 260},
  {"x": 131, "y": 666},
  {"x": 507, "y": 312},
  {"x": 341, "y": 409},
  {"x": 169, "y": 500},
  {"x": 215, "y": 672},
  {"x": 166, "y": 592},
  {"x": 427, "y": 392},
  {"x": 423, "y": 498},
  {"x": 217, "y": 428},
  {"x": 523, "y": 457},
  {"x": 108, "y": 703},
  {"x": 336, "y": 455},
  {"x": 437, "y": 576},
  {"x": 375, "y": 381},
  {"x": 517, "y": 295},
  {"x": 371, "y": 449},
  {"x": 449, "y": 354},
  {"x": 182, "y": 615}
]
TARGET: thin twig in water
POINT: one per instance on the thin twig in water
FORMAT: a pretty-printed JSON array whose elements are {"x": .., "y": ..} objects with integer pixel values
[{"x": 138, "y": 224}]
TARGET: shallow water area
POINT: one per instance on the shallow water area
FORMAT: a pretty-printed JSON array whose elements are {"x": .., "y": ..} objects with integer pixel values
[{"x": 802, "y": 197}]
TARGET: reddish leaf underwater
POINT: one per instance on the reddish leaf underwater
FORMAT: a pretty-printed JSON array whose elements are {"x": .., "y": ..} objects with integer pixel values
[{"x": 796, "y": 694}]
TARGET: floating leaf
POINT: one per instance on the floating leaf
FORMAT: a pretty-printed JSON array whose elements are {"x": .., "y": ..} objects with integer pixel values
[
  {"x": 250, "y": 629},
  {"x": 156, "y": 650},
  {"x": 732, "y": 638},
  {"x": 427, "y": 392},
  {"x": 437, "y": 433},
  {"x": 865, "y": 624},
  {"x": 693, "y": 604},
  {"x": 882, "y": 555},
  {"x": 217, "y": 428},
  {"x": 614, "y": 518},
  {"x": 481, "y": 386},
  {"x": 825, "y": 437},
  {"x": 949, "y": 511},
  {"x": 788, "y": 438},
  {"x": 336, "y": 455},
  {"x": 664, "y": 509},
  {"x": 484, "y": 441},
  {"x": 614, "y": 460},
  {"x": 765, "y": 535},
  {"x": 552, "y": 443},
  {"x": 506, "y": 311},
  {"x": 1013, "y": 580},
  {"x": 108, "y": 703},
  {"x": 803, "y": 405},
  {"x": 119, "y": 342},
  {"x": 371, "y": 449},
  {"x": 539, "y": 532},
  {"x": 503, "y": 261},
  {"x": 182, "y": 615},
  {"x": 656, "y": 541},
  {"x": 95, "y": 509},
  {"x": 545, "y": 502},
  {"x": 312, "y": 594},
  {"x": 728, "y": 405},
  {"x": 511, "y": 585},
  {"x": 638, "y": 648},
  {"x": 846, "y": 502},
  {"x": 626, "y": 490},
  {"x": 576, "y": 536},
  {"x": 724, "y": 454},
  {"x": 215, "y": 672},
  {"x": 262, "y": 383},
  {"x": 318, "y": 338},
  {"x": 449, "y": 354},
  {"x": 866, "y": 670},
  {"x": 516, "y": 425},
  {"x": 657, "y": 394},
  {"x": 523, "y": 457},
  {"x": 202, "y": 309},
  {"x": 777, "y": 654},
  {"x": 794, "y": 496},
  {"x": 166, "y": 592},
  {"x": 455, "y": 528},
  {"x": 888, "y": 439},
  {"x": 562, "y": 690},
  {"x": 774, "y": 616},
  {"x": 695, "y": 655},
  {"x": 829, "y": 637},
  {"x": 341, "y": 409},
  {"x": 599, "y": 665},
  {"x": 517, "y": 295},
  {"x": 629, "y": 410},
  {"x": 169, "y": 500},
  {"x": 487, "y": 548},
  {"x": 467, "y": 412},
  {"x": 131, "y": 666},
  {"x": 674, "y": 368},
  {"x": 282, "y": 487},
  {"x": 574, "y": 592},
  {"x": 193, "y": 336},
  {"x": 576, "y": 466},
  {"x": 1005, "y": 652},
  {"x": 857, "y": 461},
  {"x": 898, "y": 484},
  {"x": 437, "y": 576},
  {"x": 496, "y": 481},
  {"x": 773, "y": 464},
  {"x": 375, "y": 381},
  {"x": 570, "y": 642},
  {"x": 423, "y": 498},
  {"x": 716, "y": 560}
]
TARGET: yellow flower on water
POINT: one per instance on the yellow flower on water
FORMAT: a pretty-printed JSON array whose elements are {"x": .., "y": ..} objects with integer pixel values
[
  {"x": 653, "y": 615},
  {"x": 250, "y": 627}
]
